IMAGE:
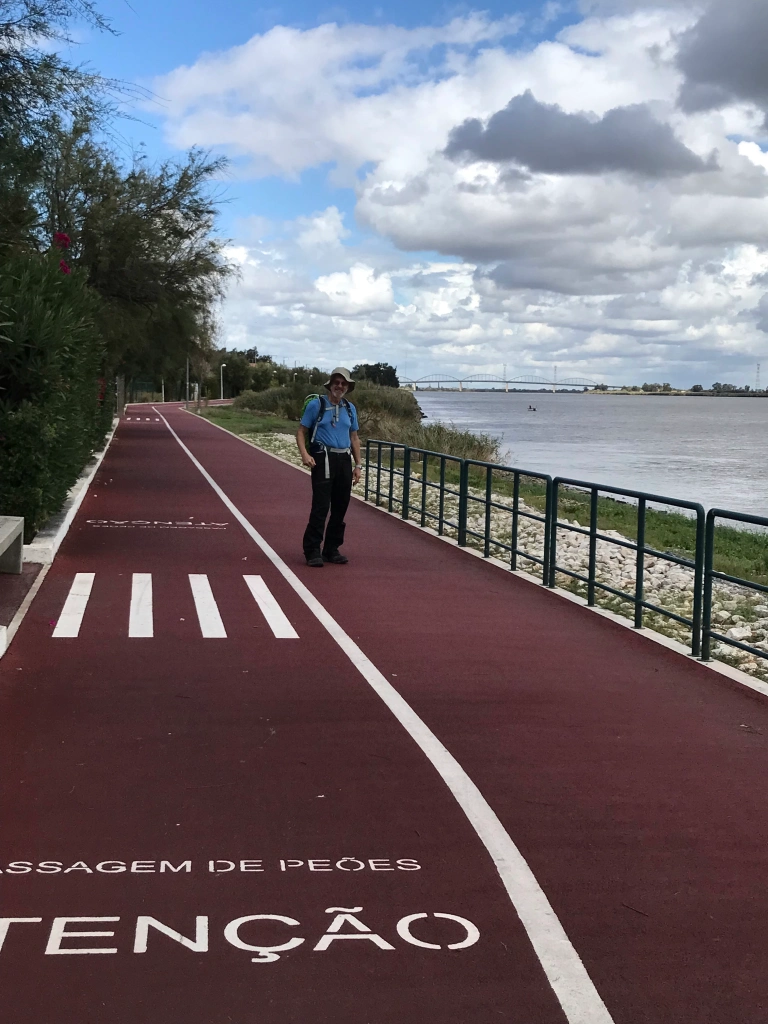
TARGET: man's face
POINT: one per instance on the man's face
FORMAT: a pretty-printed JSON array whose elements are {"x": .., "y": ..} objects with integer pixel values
[{"x": 338, "y": 387}]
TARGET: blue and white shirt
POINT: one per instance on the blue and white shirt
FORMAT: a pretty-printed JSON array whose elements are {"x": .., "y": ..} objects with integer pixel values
[{"x": 335, "y": 426}]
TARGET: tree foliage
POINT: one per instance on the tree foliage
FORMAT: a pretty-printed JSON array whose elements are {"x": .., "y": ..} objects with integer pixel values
[
  {"x": 379, "y": 373},
  {"x": 136, "y": 291}
]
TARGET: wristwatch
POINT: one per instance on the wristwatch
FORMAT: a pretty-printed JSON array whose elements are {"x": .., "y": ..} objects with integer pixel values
[{"x": 358, "y": 465}]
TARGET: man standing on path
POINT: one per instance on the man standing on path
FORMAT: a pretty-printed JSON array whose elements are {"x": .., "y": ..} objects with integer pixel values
[{"x": 327, "y": 434}]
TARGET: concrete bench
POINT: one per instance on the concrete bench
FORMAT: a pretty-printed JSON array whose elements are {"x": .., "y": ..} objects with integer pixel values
[{"x": 11, "y": 543}]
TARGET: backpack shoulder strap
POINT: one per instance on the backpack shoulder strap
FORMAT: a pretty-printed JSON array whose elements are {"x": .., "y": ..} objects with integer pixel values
[{"x": 321, "y": 400}]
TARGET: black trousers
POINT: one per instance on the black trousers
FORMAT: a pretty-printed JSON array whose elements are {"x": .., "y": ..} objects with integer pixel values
[{"x": 331, "y": 492}]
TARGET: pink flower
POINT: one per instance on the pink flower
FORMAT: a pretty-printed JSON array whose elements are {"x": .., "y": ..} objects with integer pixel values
[
  {"x": 61, "y": 240},
  {"x": 64, "y": 268}
]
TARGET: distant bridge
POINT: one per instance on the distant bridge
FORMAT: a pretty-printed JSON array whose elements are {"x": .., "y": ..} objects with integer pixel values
[{"x": 490, "y": 378}]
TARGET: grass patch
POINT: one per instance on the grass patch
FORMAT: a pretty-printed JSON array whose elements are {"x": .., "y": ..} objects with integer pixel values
[{"x": 243, "y": 421}]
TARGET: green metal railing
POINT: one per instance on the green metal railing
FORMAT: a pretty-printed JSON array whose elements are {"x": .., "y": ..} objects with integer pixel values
[
  {"x": 640, "y": 499},
  {"x": 416, "y": 505},
  {"x": 454, "y": 481},
  {"x": 710, "y": 575}
]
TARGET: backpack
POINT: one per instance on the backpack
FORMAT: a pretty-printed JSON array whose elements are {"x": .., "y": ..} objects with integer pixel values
[{"x": 323, "y": 406}]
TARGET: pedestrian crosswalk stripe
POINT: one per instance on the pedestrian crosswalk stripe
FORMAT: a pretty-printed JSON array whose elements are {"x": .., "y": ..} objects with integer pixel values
[
  {"x": 140, "y": 620},
  {"x": 73, "y": 611},
  {"x": 208, "y": 615},
  {"x": 271, "y": 610},
  {"x": 141, "y": 609}
]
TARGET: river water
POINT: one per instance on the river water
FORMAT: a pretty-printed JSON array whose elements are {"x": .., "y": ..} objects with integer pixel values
[{"x": 710, "y": 450}]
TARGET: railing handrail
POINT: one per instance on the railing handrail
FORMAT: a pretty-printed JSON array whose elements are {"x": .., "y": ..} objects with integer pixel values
[{"x": 661, "y": 499}]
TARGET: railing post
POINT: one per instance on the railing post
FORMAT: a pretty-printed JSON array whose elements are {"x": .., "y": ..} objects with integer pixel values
[
  {"x": 463, "y": 490},
  {"x": 423, "y": 489},
  {"x": 555, "y": 491},
  {"x": 367, "y": 464},
  {"x": 405, "y": 505},
  {"x": 488, "y": 493},
  {"x": 698, "y": 581},
  {"x": 592, "y": 547},
  {"x": 391, "y": 476},
  {"x": 640, "y": 564},
  {"x": 378, "y": 473},
  {"x": 515, "y": 520},
  {"x": 709, "y": 562},
  {"x": 441, "y": 500}
]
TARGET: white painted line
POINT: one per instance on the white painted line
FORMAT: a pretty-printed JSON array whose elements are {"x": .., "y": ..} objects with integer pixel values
[
  {"x": 567, "y": 975},
  {"x": 157, "y": 419},
  {"x": 271, "y": 610},
  {"x": 72, "y": 613},
  {"x": 147, "y": 418},
  {"x": 140, "y": 620},
  {"x": 127, "y": 417},
  {"x": 211, "y": 625}
]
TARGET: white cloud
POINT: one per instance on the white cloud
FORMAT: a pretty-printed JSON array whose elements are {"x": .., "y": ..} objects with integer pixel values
[
  {"x": 606, "y": 273},
  {"x": 354, "y": 293}
]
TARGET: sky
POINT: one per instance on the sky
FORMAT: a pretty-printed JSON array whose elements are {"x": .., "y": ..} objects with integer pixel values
[{"x": 456, "y": 189}]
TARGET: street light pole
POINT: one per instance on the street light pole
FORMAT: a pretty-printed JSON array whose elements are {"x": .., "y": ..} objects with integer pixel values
[{"x": 222, "y": 380}]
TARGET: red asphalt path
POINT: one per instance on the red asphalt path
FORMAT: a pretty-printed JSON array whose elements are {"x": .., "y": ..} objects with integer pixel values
[{"x": 136, "y": 771}]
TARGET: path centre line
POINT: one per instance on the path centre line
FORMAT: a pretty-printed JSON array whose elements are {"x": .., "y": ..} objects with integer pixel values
[
  {"x": 72, "y": 613},
  {"x": 207, "y": 610},
  {"x": 276, "y": 618},
  {"x": 567, "y": 975}
]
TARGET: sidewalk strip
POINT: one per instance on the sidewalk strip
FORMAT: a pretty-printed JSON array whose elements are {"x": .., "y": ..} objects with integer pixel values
[
  {"x": 572, "y": 985},
  {"x": 73, "y": 611},
  {"x": 271, "y": 610},
  {"x": 211, "y": 625},
  {"x": 140, "y": 621}
]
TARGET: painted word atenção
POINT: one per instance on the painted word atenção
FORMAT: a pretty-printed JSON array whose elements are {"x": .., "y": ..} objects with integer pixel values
[{"x": 73, "y": 936}]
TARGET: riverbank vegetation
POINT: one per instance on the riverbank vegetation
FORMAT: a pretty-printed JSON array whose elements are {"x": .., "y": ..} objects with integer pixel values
[{"x": 387, "y": 413}]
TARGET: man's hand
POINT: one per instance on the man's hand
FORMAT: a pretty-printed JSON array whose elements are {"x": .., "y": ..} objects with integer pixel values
[
  {"x": 307, "y": 459},
  {"x": 356, "y": 476}
]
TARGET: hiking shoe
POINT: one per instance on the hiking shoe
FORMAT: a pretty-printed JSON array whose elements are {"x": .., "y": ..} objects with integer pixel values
[
  {"x": 315, "y": 560},
  {"x": 336, "y": 557}
]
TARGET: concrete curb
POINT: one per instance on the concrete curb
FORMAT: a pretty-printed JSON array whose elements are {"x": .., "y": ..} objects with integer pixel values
[
  {"x": 7, "y": 633},
  {"x": 48, "y": 540}
]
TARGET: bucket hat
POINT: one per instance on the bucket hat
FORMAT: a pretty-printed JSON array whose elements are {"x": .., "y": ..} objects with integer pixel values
[{"x": 342, "y": 371}]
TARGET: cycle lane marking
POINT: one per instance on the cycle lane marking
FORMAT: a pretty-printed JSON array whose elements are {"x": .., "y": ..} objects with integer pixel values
[{"x": 567, "y": 975}]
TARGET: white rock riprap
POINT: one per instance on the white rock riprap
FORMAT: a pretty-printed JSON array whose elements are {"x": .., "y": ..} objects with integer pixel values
[{"x": 736, "y": 613}]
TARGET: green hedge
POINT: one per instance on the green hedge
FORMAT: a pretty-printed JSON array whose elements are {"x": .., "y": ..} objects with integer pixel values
[{"x": 55, "y": 407}]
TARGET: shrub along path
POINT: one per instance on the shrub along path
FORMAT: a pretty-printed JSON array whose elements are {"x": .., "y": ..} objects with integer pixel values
[{"x": 413, "y": 788}]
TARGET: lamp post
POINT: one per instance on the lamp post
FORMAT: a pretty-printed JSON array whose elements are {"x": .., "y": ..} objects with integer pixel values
[{"x": 221, "y": 375}]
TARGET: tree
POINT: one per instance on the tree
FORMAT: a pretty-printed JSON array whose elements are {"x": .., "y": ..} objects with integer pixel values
[
  {"x": 379, "y": 373},
  {"x": 144, "y": 234},
  {"x": 38, "y": 92},
  {"x": 697, "y": 388},
  {"x": 237, "y": 373}
]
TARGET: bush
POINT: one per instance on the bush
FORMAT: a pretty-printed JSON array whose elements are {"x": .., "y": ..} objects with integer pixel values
[
  {"x": 54, "y": 412},
  {"x": 374, "y": 403},
  {"x": 439, "y": 437},
  {"x": 386, "y": 413}
]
